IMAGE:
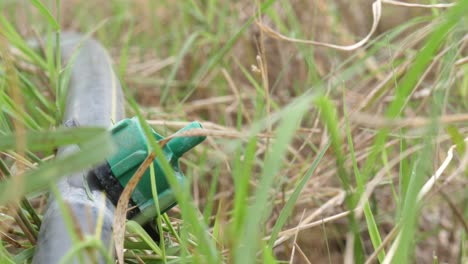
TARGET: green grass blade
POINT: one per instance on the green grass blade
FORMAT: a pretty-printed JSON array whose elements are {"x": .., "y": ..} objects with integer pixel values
[
  {"x": 47, "y": 140},
  {"x": 88, "y": 243},
  {"x": 90, "y": 154},
  {"x": 154, "y": 192},
  {"x": 288, "y": 208},
  {"x": 7, "y": 30},
  {"x": 214, "y": 60},
  {"x": 135, "y": 228},
  {"x": 4, "y": 255},
  {"x": 190, "y": 213},
  {"x": 242, "y": 175},
  {"x": 172, "y": 74},
  {"x": 24, "y": 256},
  {"x": 329, "y": 117},
  {"x": 260, "y": 210},
  {"x": 372, "y": 227},
  {"x": 45, "y": 12},
  {"x": 409, "y": 213},
  {"x": 211, "y": 195}
]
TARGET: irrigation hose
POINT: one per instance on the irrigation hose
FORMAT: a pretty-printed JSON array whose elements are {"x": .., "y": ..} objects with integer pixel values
[{"x": 94, "y": 98}]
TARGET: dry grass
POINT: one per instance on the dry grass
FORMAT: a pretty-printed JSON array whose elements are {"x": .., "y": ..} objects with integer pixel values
[{"x": 360, "y": 78}]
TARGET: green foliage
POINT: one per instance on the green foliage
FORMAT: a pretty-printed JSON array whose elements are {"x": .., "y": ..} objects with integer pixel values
[
  {"x": 91, "y": 153},
  {"x": 260, "y": 210},
  {"x": 49, "y": 140},
  {"x": 240, "y": 193}
]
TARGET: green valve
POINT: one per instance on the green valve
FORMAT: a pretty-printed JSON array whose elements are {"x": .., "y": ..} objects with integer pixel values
[{"x": 132, "y": 150}]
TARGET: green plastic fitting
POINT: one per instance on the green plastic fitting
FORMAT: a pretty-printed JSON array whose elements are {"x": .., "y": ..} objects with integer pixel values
[{"x": 133, "y": 149}]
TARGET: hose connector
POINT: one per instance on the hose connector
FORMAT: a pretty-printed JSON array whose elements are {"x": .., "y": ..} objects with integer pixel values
[{"x": 132, "y": 149}]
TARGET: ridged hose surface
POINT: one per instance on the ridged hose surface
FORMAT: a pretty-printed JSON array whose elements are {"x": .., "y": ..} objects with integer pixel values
[{"x": 94, "y": 98}]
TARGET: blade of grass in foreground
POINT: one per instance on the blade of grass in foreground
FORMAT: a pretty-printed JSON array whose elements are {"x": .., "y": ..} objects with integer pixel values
[
  {"x": 206, "y": 248},
  {"x": 405, "y": 239},
  {"x": 407, "y": 84},
  {"x": 372, "y": 227},
  {"x": 45, "y": 12},
  {"x": 4, "y": 255},
  {"x": 330, "y": 118},
  {"x": 259, "y": 211},
  {"x": 24, "y": 256},
  {"x": 134, "y": 228},
  {"x": 405, "y": 243},
  {"x": 89, "y": 242},
  {"x": 47, "y": 140},
  {"x": 91, "y": 153},
  {"x": 211, "y": 194},
  {"x": 288, "y": 208},
  {"x": 7, "y": 30},
  {"x": 154, "y": 192},
  {"x": 242, "y": 171},
  {"x": 177, "y": 64},
  {"x": 11, "y": 109}
]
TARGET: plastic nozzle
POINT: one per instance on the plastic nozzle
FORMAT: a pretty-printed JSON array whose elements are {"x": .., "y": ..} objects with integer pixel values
[
  {"x": 132, "y": 146},
  {"x": 182, "y": 144}
]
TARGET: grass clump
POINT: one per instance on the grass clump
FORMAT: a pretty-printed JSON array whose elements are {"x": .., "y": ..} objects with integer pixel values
[{"x": 314, "y": 154}]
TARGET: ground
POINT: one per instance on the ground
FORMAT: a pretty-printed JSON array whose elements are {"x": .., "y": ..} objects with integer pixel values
[{"x": 390, "y": 109}]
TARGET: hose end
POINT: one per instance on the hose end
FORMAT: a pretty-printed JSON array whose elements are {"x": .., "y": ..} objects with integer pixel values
[{"x": 182, "y": 144}]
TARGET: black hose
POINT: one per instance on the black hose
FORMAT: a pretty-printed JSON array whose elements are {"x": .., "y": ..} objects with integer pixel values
[{"x": 94, "y": 99}]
